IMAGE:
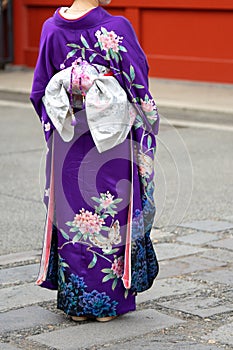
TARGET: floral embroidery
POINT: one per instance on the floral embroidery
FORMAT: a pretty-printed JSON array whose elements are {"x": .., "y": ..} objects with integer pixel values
[
  {"x": 115, "y": 272},
  {"x": 88, "y": 223},
  {"x": 144, "y": 264},
  {"x": 61, "y": 269},
  {"x": 90, "y": 229},
  {"x": 145, "y": 164},
  {"x": 118, "y": 267},
  {"x": 107, "y": 203},
  {"x": 149, "y": 108},
  {"x": 83, "y": 76},
  {"x": 98, "y": 304},
  {"x": 110, "y": 42},
  {"x": 47, "y": 192},
  {"x": 148, "y": 206},
  {"x": 137, "y": 225},
  {"x": 74, "y": 299},
  {"x": 88, "y": 226},
  {"x": 47, "y": 127},
  {"x": 106, "y": 199}
]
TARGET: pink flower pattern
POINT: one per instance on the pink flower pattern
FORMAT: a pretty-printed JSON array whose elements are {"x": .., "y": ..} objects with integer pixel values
[
  {"x": 142, "y": 170},
  {"x": 147, "y": 106},
  {"x": 87, "y": 222},
  {"x": 106, "y": 200},
  {"x": 109, "y": 40},
  {"x": 118, "y": 267},
  {"x": 83, "y": 75},
  {"x": 145, "y": 164}
]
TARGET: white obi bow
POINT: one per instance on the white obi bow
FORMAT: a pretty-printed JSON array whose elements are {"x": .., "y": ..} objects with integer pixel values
[{"x": 109, "y": 113}]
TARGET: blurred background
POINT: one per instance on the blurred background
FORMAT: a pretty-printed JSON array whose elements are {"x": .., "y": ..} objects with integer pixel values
[{"x": 183, "y": 39}]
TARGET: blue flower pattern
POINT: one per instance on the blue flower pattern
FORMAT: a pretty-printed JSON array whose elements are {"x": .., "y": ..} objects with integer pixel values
[
  {"x": 75, "y": 300},
  {"x": 144, "y": 263},
  {"x": 98, "y": 304}
]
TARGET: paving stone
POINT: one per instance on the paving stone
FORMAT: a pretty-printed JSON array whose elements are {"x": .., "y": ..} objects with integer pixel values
[
  {"x": 198, "y": 238},
  {"x": 223, "y": 243},
  {"x": 167, "y": 287},
  {"x": 19, "y": 257},
  {"x": 139, "y": 344},
  {"x": 27, "y": 317},
  {"x": 219, "y": 276},
  {"x": 22, "y": 218},
  {"x": 157, "y": 236},
  {"x": 200, "y": 306},
  {"x": 229, "y": 218},
  {"x": 209, "y": 225},
  {"x": 24, "y": 295},
  {"x": 129, "y": 325},
  {"x": 6, "y": 346},
  {"x": 19, "y": 274},
  {"x": 187, "y": 265},
  {"x": 218, "y": 254},
  {"x": 167, "y": 251},
  {"x": 223, "y": 334}
]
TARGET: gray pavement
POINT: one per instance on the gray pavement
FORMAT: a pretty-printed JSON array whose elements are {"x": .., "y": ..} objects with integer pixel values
[{"x": 190, "y": 304}]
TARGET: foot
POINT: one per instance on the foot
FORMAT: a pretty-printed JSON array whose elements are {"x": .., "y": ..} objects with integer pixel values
[
  {"x": 79, "y": 318},
  {"x": 105, "y": 319}
]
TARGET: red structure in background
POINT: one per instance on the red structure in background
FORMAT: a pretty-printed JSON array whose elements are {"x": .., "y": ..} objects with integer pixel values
[{"x": 183, "y": 39}]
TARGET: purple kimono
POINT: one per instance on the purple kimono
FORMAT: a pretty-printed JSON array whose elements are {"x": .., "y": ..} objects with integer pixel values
[{"x": 100, "y": 207}]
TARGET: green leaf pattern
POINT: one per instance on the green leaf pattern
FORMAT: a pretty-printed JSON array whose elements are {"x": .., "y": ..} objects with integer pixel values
[
  {"x": 115, "y": 272},
  {"x": 85, "y": 235}
]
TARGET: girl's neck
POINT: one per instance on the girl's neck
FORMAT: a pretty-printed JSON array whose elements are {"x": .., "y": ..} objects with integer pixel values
[
  {"x": 79, "y": 6},
  {"x": 78, "y": 9}
]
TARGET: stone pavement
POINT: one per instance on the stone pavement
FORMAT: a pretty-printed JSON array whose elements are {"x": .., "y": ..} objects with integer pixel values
[{"x": 189, "y": 306}]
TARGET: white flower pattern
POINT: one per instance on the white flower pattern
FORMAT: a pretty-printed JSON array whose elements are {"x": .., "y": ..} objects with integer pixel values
[{"x": 47, "y": 127}]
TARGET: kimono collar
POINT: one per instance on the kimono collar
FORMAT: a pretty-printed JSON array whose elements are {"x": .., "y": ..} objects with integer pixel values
[{"x": 88, "y": 20}]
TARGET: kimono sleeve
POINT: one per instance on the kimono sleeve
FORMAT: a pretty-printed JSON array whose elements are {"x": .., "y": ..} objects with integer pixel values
[
  {"x": 44, "y": 71},
  {"x": 130, "y": 67}
]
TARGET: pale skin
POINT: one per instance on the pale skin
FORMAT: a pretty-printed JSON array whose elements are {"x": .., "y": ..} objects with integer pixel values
[{"x": 80, "y": 7}]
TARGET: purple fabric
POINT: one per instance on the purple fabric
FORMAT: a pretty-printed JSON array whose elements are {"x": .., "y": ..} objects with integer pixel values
[{"x": 92, "y": 191}]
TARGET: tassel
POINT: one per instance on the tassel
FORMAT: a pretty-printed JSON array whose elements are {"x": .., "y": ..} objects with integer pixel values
[{"x": 73, "y": 121}]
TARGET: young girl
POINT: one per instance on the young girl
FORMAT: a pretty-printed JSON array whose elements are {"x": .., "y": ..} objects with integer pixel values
[{"x": 90, "y": 91}]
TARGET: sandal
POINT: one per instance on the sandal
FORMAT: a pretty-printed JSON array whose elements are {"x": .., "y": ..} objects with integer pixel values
[
  {"x": 105, "y": 319},
  {"x": 79, "y": 318}
]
